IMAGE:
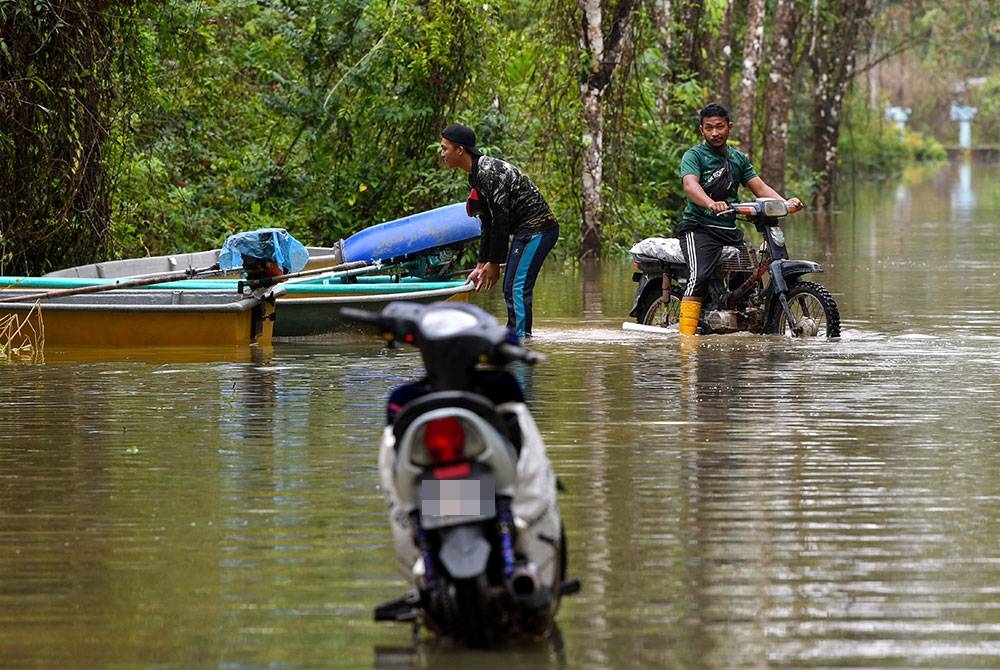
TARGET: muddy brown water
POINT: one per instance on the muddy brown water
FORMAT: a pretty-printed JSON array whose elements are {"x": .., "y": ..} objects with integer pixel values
[{"x": 752, "y": 502}]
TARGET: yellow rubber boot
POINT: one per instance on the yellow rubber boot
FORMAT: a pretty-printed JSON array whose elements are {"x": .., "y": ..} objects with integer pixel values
[{"x": 690, "y": 311}]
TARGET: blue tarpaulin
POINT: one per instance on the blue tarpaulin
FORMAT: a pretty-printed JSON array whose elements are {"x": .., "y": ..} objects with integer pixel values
[{"x": 267, "y": 243}]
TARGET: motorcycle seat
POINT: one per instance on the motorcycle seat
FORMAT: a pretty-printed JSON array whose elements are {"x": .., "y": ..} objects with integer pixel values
[{"x": 438, "y": 399}]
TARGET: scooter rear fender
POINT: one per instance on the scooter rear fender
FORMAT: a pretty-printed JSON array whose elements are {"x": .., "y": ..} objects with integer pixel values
[{"x": 464, "y": 551}]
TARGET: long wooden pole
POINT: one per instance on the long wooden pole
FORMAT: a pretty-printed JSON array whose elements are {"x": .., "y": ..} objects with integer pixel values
[
  {"x": 174, "y": 276},
  {"x": 98, "y": 288}
]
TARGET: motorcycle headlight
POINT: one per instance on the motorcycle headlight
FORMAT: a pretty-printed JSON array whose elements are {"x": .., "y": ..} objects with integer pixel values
[{"x": 774, "y": 208}]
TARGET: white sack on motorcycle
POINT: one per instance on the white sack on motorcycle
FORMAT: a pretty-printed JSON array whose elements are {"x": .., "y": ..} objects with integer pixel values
[{"x": 666, "y": 249}]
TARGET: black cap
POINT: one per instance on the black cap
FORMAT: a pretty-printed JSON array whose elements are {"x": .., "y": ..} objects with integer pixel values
[{"x": 463, "y": 136}]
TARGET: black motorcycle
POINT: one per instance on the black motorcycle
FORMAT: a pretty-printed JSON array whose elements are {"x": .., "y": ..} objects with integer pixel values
[
  {"x": 755, "y": 290},
  {"x": 471, "y": 491}
]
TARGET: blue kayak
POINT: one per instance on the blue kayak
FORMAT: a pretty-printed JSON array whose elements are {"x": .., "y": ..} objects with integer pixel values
[{"x": 403, "y": 238}]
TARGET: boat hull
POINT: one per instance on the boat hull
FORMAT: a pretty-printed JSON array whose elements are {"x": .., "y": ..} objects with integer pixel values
[
  {"x": 304, "y": 307},
  {"x": 300, "y": 314},
  {"x": 145, "y": 318}
]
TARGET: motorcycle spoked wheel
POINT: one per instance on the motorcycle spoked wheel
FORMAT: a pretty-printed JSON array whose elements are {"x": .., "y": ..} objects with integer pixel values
[
  {"x": 655, "y": 311},
  {"x": 814, "y": 309}
]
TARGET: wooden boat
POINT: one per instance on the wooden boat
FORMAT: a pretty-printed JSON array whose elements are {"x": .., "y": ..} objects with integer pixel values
[
  {"x": 402, "y": 240},
  {"x": 309, "y": 306},
  {"x": 169, "y": 316},
  {"x": 418, "y": 244}
]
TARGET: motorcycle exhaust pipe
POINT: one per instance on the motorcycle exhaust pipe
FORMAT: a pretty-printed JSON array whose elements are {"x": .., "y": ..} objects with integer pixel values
[{"x": 524, "y": 582}]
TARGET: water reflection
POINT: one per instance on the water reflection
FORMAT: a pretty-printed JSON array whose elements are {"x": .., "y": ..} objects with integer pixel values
[
  {"x": 963, "y": 198},
  {"x": 547, "y": 653}
]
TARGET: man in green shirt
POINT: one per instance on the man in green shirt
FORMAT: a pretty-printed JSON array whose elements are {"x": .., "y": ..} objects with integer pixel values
[{"x": 712, "y": 173}]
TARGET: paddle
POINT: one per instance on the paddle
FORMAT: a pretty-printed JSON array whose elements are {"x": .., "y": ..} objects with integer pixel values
[{"x": 118, "y": 284}]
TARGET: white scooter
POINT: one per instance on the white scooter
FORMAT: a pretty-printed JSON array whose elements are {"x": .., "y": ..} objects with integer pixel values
[{"x": 471, "y": 491}]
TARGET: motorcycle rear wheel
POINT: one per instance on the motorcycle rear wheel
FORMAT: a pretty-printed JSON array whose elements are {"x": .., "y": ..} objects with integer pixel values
[
  {"x": 655, "y": 311},
  {"x": 814, "y": 309},
  {"x": 477, "y": 627}
]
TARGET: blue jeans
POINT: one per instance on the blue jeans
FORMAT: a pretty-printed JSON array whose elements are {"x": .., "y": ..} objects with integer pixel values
[{"x": 523, "y": 264}]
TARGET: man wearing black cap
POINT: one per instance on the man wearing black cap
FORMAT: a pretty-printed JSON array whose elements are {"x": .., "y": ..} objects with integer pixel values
[{"x": 510, "y": 210}]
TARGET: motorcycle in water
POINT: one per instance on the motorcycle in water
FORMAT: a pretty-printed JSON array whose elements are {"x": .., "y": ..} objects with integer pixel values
[
  {"x": 471, "y": 491},
  {"x": 739, "y": 299}
]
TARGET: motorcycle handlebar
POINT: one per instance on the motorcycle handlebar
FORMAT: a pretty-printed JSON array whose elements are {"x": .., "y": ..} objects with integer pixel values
[
  {"x": 516, "y": 353},
  {"x": 359, "y": 315},
  {"x": 749, "y": 208},
  {"x": 511, "y": 352}
]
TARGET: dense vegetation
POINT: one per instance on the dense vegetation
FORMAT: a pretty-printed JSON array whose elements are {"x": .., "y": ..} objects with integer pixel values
[{"x": 129, "y": 128}]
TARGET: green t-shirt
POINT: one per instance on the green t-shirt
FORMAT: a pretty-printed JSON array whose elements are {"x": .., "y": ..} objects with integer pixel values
[{"x": 703, "y": 161}]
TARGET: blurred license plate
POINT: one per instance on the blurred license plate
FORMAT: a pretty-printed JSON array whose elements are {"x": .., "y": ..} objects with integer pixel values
[{"x": 447, "y": 502}]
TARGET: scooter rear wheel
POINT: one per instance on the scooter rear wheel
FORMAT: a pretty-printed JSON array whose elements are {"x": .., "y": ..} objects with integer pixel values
[{"x": 477, "y": 627}]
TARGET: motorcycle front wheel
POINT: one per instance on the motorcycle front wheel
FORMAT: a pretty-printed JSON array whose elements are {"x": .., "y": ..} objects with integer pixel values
[
  {"x": 814, "y": 310},
  {"x": 655, "y": 311}
]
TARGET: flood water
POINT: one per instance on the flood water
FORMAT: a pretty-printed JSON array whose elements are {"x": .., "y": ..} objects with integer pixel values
[{"x": 751, "y": 502}]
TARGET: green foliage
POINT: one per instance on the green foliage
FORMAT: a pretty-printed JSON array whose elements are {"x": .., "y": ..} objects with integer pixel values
[
  {"x": 950, "y": 54},
  {"x": 918, "y": 147},
  {"x": 645, "y": 194},
  {"x": 986, "y": 100},
  {"x": 322, "y": 116},
  {"x": 329, "y": 121},
  {"x": 877, "y": 148},
  {"x": 315, "y": 116},
  {"x": 56, "y": 97}
]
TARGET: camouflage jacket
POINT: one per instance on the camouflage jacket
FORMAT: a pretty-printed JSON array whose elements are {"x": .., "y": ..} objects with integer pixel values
[{"x": 507, "y": 203}]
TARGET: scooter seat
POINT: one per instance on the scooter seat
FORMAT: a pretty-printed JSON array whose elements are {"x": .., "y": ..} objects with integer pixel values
[{"x": 438, "y": 399}]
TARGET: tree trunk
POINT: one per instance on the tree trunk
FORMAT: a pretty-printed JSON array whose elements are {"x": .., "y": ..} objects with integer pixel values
[
  {"x": 604, "y": 55},
  {"x": 56, "y": 87},
  {"x": 781, "y": 59},
  {"x": 726, "y": 44},
  {"x": 753, "y": 48},
  {"x": 837, "y": 35},
  {"x": 663, "y": 22}
]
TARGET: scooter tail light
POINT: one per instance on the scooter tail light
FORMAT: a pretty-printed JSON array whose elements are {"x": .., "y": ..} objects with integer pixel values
[{"x": 444, "y": 439}]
